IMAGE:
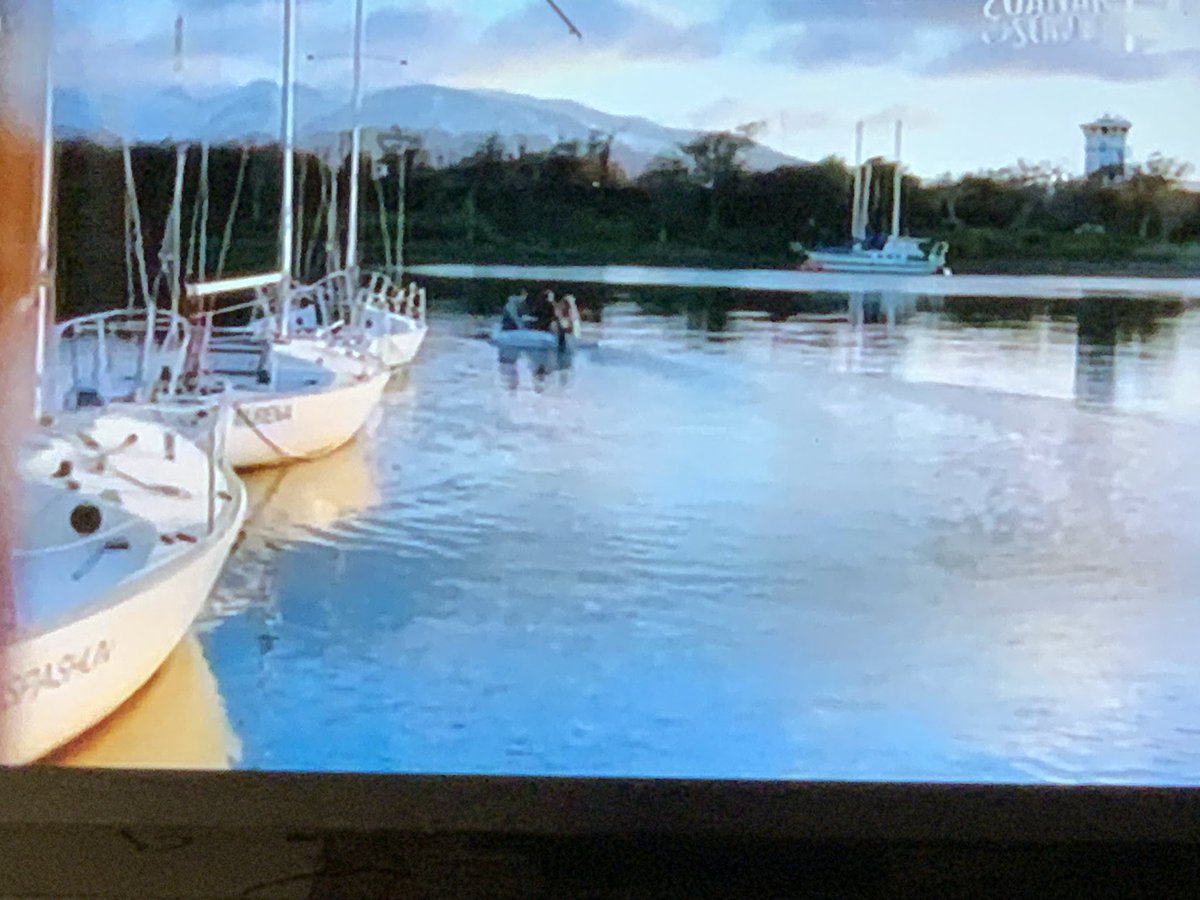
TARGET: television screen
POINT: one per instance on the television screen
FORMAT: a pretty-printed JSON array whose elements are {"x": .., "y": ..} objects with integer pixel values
[{"x": 778, "y": 390}]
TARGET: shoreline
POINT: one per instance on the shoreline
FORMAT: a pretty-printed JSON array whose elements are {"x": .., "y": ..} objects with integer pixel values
[
  {"x": 788, "y": 281},
  {"x": 1036, "y": 268}
]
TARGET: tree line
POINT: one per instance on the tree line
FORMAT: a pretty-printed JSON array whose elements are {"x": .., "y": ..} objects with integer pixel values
[{"x": 573, "y": 204}]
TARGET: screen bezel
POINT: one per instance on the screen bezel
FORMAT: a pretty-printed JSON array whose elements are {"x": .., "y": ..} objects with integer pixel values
[{"x": 811, "y": 811}]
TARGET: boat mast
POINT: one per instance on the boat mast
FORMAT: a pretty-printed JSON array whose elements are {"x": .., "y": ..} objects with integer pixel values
[
  {"x": 332, "y": 249},
  {"x": 287, "y": 225},
  {"x": 857, "y": 231},
  {"x": 355, "y": 147},
  {"x": 898, "y": 185},
  {"x": 864, "y": 217},
  {"x": 287, "y": 202},
  {"x": 45, "y": 238}
]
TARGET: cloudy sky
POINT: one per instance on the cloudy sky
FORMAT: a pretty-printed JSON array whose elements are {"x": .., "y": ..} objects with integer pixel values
[{"x": 977, "y": 82}]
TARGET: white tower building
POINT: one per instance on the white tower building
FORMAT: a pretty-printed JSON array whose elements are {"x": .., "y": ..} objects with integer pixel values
[{"x": 1105, "y": 145}]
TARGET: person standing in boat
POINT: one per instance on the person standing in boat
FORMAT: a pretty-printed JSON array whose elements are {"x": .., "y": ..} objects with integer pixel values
[
  {"x": 512, "y": 318},
  {"x": 542, "y": 312},
  {"x": 565, "y": 322}
]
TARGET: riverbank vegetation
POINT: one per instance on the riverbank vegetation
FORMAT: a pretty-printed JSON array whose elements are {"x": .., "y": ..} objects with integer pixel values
[{"x": 573, "y": 205}]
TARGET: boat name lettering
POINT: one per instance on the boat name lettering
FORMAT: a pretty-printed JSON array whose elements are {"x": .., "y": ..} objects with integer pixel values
[
  {"x": 1019, "y": 23},
  {"x": 265, "y": 415},
  {"x": 27, "y": 686}
]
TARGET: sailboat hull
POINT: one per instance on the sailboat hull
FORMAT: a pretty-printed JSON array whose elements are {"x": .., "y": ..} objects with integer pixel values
[
  {"x": 868, "y": 262},
  {"x": 395, "y": 340},
  {"x": 284, "y": 428},
  {"x": 60, "y": 683}
]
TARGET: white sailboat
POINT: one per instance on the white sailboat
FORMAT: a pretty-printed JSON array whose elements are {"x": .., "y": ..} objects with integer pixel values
[
  {"x": 124, "y": 523},
  {"x": 294, "y": 396},
  {"x": 368, "y": 310},
  {"x": 896, "y": 254},
  {"x": 128, "y": 524}
]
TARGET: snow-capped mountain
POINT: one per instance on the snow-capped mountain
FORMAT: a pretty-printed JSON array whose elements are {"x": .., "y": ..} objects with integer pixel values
[{"x": 452, "y": 122}]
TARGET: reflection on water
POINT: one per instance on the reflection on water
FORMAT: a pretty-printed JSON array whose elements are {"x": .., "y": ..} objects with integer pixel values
[
  {"x": 535, "y": 365},
  {"x": 303, "y": 503},
  {"x": 310, "y": 497},
  {"x": 745, "y": 536},
  {"x": 177, "y": 721}
]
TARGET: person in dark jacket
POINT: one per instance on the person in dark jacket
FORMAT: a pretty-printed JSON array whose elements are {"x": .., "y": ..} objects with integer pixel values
[{"x": 542, "y": 312}]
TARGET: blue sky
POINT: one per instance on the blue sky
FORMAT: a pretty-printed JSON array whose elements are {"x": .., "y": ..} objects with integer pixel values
[{"x": 974, "y": 91}]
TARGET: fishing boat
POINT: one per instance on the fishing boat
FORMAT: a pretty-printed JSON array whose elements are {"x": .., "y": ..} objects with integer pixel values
[
  {"x": 516, "y": 329},
  {"x": 893, "y": 254},
  {"x": 295, "y": 395}
]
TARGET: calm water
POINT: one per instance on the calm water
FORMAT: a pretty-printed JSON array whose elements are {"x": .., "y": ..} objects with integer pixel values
[{"x": 947, "y": 542}]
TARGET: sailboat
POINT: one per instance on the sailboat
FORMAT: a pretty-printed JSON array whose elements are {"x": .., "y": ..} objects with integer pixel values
[
  {"x": 127, "y": 525},
  {"x": 124, "y": 522},
  {"x": 365, "y": 309},
  {"x": 294, "y": 396},
  {"x": 894, "y": 255}
]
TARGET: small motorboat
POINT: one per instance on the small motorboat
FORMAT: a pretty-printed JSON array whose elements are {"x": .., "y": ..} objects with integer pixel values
[
  {"x": 546, "y": 324},
  {"x": 127, "y": 522}
]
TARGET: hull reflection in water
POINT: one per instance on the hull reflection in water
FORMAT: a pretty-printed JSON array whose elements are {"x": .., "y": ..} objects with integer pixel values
[
  {"x": 304, "y": 502},
  {"x": 177, "y": 721},
  {"x": 291, "y": 503},
  {"x": 542, "y": 364}
]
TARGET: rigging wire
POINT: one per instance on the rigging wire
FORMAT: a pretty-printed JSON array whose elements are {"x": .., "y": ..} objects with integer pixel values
[
  {"x": 566, "y": 21},
  {"x": 227, "y": 235}
]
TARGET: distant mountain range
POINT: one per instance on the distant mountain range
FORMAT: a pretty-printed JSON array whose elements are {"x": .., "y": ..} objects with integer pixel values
[{"x": 452, "y": 122}]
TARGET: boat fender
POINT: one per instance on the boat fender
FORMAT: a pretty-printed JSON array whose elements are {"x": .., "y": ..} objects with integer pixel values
[{"x": 86, "y": 519}]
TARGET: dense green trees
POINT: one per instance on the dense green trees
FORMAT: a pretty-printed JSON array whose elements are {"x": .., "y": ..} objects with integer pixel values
[{"x": 574, "y": 204}]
